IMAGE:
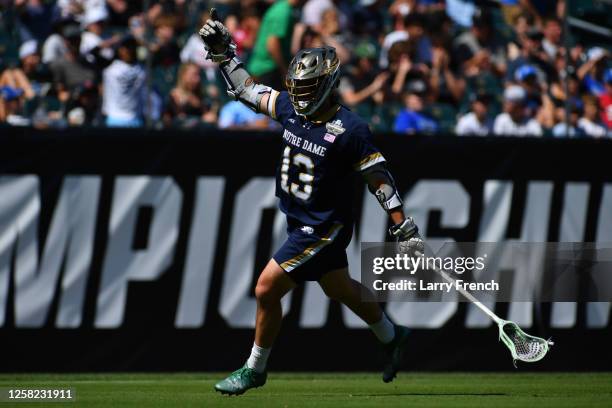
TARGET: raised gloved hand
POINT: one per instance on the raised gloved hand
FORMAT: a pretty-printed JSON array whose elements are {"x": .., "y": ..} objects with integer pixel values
[
  {"x": 408, "y": 239},
  {"x": 217, "y": 39}
]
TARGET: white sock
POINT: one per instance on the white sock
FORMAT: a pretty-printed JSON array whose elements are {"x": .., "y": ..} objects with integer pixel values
[
  {"x": 258, "y": 358},
  {"x": 384, "y": 329}
]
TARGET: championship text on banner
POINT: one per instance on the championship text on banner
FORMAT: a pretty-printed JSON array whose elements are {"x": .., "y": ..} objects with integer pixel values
[{"x": 128, "y": 250}]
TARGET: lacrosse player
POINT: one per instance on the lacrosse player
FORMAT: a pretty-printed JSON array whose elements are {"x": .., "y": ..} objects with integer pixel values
[{"x": 324, "y": 143}]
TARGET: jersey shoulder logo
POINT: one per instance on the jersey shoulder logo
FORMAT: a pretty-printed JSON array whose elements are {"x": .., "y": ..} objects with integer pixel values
[{"x": 335, "y": 127}]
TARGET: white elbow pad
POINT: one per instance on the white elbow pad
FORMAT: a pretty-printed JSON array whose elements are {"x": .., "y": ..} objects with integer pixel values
[{"x": 388, "y": 198}]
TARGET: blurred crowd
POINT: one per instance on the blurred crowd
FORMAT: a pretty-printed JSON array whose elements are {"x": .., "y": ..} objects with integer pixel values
[{"x": 408, "y": 66}]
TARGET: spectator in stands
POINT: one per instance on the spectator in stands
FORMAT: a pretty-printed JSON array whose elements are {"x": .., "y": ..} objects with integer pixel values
[
  {"x": 54, "y": 47},
  {"x": 535, "y": 87},
  {"x": 164, "y": 47},
  {"x": 572, "y": 130},
  {"x": 477, "y": 122},
  {"x": 552, "y": 36},
  {"x": 592, "y": 71},
  {"x": 93, "y": 37},
  {"x": 71, "y": 70},
  {"x": 325, "y": 33},
  {"x": 590, "y": 121},
  {"x": 124, "y": 83},
  {"x": 400, "y": 33},
  {"x": 444, "y": 84},
  {"x": 329, "y": 30},
  {"x": 187, "y": 105},
  {"x": 413, "y": 119},
  {"x": 38, "y": 75},
  {"x": 557, "y": 88},
  {"x": 415, "y": 26},
  {"x": 480, "y": 46},
  {"x": 605, "y": 99},
  {"x": 15, "y": 77},
  {"x": 360, "y": 83},
  {"x": 532, "y": 54},
  {"x": 11, "y": 107},
  {"x": 40, "y": 82},
  {"x": 515, "y": 120},
  {"x": 271, "y": 54},
  {"x": 405, "y": 70},
  {"x": 524, "y": 22}
]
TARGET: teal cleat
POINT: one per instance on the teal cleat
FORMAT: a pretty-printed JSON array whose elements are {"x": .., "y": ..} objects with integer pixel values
[
  {"x": 394, "y": 353},
  {"x": 241, "y": 380}
]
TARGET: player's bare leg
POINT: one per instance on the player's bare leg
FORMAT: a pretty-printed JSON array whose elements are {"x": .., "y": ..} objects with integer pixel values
[
  {"x": 272, "y": 285},
  {"x": 338, "y": 285}
]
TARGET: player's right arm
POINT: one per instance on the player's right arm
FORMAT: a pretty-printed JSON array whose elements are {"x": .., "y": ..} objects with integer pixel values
[{"x": 240, "y": 85}]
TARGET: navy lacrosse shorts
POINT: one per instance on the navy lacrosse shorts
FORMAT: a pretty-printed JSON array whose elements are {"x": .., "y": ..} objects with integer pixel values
[{"x": 311, "y": 251}]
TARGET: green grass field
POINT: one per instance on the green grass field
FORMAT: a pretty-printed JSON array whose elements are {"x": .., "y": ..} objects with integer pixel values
[{"x": 516, "y": 390}]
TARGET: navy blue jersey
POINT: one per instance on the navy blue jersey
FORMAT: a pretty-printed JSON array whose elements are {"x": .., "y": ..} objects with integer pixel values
[{"x": 314, "y": 179}]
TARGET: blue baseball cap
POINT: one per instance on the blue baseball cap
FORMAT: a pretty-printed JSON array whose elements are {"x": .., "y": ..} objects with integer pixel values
[
  {"x": 524, "y": 71},
  {"x": 9, "y": 93}
]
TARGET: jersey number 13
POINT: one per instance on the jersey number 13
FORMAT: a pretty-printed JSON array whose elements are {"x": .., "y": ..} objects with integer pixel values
[{"x": 303, "y": 189}]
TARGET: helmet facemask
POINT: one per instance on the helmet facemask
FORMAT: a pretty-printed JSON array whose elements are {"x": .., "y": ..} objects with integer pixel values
[{"x": 312, "y": 75}]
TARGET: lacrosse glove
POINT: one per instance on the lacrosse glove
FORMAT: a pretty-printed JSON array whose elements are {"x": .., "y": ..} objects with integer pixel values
[
  {"x": 408, "y": 239},
  {"x": 217, "y": 40}
]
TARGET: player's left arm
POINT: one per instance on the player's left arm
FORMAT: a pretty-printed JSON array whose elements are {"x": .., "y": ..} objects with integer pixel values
[
  {"x": 369, "y": 161},
  {"x": 381, "y": 184}
]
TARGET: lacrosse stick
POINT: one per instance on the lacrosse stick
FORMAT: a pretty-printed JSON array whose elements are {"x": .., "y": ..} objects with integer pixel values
[{"x": 522, "y": 346}]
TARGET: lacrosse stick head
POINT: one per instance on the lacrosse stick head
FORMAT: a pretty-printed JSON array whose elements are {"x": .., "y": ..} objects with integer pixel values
[{"x": 522, "y": 346}]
